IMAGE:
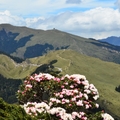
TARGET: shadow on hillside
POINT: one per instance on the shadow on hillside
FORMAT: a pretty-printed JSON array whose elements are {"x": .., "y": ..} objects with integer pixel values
[
  {"x": 117, "y": 88},
  {"x": 8, "y": 44},
  {"x": 48, "y": 68},
  {"x": 37, "y": 50}
]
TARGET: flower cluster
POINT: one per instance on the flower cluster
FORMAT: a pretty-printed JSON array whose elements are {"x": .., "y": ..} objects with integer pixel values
[
  {"x": 76, "y": 92},
  {"x": 34, "y": 88},
  {"x": 41, "y": 110},
  {"x": 38, "y": 109},
  {"x": 33, "y": 108},
  {"x": 70, "y": 97}
]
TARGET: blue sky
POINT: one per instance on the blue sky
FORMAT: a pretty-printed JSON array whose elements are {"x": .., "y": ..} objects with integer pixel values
[{"x": 87, "y": 18}]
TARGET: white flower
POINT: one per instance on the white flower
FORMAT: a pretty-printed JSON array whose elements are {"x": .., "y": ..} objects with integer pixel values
[
  {"x": 92, "y": 88},
  {"x": 67, "y": 76},
  {"x": 67, "y": 100},
  {"x": 78, "y": 76},
  {"x": 28, "y": 86},
  {"x": 79, "y": 103},
  {"x": 42, "y": 105},
  {"x": 69, "y": 116},
  {"x": 53, "y": 99},
  {"x": 96, "y": 97},
  {"x": 86, "y": 96},
  {"x": 73, "y": 99},
  {"x": 48, "y": 76},
  {"x": 50, "y": 103},
  {"x": 40, "y": 110},
  {"x": 75, "y": 91},
  {"x": 86, "y": 106},
  {"x": 52, "y": 111},
  {"x": 87, "y": 91},
  {"x": 86, "y": 86},
  {"x": 106, "y": 116},
  {"x": 85, "y": 82},
  {"x": 97, "y": 105}
]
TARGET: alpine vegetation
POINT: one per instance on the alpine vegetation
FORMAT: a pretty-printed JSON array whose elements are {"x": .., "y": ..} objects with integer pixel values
[{"x": 70, "y": 97}]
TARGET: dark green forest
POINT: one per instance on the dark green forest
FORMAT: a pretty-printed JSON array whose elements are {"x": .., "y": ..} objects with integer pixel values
[{"x": 8, "y": 89}]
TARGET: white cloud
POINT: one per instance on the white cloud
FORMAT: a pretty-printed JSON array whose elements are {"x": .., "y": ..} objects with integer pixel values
[
  {"x": 36, "y": 8},
  {"x": 96, "y": 22},
  {"x": 32, "y": 8},
  {"x": 73, "y": 1},
  {"x": 99, "y": 22},
  {"x": 6, "y": 17}
]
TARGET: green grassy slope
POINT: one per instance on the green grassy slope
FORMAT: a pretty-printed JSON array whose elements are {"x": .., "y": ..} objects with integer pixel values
[
  {"x": 11, "y": 69},
  {"x": 104, "y": 75},
  {"x": 57, "y": 40}
]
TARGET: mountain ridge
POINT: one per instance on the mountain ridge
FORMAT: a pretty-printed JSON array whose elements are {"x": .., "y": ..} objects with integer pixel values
[
  {"x": 63, "y": 53},
  {"x": 25, "y": 43},
  {"x": 111, "y": 40}
]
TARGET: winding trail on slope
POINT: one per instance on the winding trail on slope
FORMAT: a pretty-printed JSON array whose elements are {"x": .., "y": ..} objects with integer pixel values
[
  {"x": 24, "y": 64},
  {"x": 69, "y": 61}
]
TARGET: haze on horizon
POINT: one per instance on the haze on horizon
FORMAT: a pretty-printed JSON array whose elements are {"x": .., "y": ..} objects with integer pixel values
[{"x": 87, "y": 18}]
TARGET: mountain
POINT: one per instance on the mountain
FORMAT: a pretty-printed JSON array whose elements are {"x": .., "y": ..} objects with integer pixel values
[
  {"x": 54, "y": 50},
  {"x": 10, "y": 69},
  {"x": 104, "y": 75},
  {"x": 112, "y": 40},
  {"x": 16, "y": 59},
  {"x": 25, "y": 43}
]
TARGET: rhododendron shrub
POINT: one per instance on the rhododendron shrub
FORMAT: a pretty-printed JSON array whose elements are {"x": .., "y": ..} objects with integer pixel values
[
  {"x": 76, "y": 93},
  {"x": 70, "y": 97},
  {"x": 36, "y": 88}
]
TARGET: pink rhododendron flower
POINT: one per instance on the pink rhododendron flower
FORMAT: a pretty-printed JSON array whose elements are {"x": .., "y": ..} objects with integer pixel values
[
  {"x": 70, "y": 93},
  {"x": 28, "y": 86},
  {"x": 79, "y": 103}
]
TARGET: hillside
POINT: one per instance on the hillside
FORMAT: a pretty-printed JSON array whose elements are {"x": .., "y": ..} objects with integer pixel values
[
  {"x": 104, "y": 75},
  {"x": 25, "y": 43},
  {"x": 10, "y": 69}
]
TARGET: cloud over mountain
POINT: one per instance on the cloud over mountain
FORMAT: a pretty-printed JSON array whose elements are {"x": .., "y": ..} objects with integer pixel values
[
  {"x": 97, "y": 20},
  {"x": 7, "y": 17}
]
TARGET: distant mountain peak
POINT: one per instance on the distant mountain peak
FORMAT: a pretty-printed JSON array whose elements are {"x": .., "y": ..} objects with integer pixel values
[{"x": 114, "y": 40}]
